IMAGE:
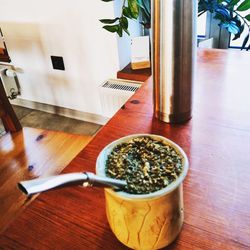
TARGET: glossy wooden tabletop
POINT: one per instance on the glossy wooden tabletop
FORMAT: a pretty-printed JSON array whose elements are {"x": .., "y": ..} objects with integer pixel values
[{"x": 216, "y": 189}]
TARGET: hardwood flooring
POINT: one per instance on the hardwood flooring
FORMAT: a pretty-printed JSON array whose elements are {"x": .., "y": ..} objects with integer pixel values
[{"x": 32, "y": 153}]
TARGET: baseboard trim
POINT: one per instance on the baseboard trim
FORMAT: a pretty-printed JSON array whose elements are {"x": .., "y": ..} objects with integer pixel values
[{"x": 71, "y": 113}]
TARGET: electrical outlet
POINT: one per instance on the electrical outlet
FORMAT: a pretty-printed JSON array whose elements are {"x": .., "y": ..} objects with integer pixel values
[{"x": 57, "y": 62}]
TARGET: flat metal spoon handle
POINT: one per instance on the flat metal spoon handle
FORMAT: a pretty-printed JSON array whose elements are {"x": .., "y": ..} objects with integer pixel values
[{"x": 39, "y": 185}]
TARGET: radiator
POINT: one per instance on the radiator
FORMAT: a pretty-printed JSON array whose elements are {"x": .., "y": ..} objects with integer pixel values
[{"x": 114, "y": 93}]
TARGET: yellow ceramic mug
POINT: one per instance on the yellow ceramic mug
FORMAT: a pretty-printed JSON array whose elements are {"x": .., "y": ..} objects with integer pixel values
[{"x": 145, "y": 221}]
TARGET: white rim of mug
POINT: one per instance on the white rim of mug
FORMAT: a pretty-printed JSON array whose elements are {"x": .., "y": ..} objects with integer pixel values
[{"x": 100, "y": 167}]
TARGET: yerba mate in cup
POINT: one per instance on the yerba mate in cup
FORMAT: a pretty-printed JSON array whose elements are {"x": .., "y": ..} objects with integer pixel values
[{"x": 148, "y": 215}]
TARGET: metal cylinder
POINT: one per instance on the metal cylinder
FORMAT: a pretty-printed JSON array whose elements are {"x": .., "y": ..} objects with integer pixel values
[
  {"x": 39, "y": 185},
  {"x": 173, "y": 58}
]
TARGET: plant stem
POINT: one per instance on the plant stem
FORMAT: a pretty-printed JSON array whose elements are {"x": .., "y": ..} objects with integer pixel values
[
  {"x": 234, "y": 11},
  {"x": 204, "y": 11},
  {"x": 123, "y": 5}
]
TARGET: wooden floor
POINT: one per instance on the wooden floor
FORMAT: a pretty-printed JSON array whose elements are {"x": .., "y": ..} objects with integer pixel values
[{"x": 28, "y": 154}]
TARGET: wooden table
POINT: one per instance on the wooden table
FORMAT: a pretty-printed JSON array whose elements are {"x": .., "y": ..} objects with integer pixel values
[{"x": 217, "y": 187}]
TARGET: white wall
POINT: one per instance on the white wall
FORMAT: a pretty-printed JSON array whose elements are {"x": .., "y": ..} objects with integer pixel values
[{"x": 35, "y": 30}]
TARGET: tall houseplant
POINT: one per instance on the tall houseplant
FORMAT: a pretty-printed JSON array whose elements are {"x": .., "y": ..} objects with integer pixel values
[
  {"x": 230, "y": 14},
  {"x": 131, "y": 9}
]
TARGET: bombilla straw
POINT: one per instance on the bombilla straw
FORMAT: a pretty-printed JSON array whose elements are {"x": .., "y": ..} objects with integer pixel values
[{"x": 39, "y": 185}]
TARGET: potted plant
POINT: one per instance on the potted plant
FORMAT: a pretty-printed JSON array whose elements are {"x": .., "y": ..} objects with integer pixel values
[
  {"x": 131, "y": 9},
  {"x": 230, "y": 14}
]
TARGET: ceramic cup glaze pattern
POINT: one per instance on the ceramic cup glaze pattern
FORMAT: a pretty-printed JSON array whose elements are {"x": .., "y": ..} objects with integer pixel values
[{"x": 148, "y": 221}]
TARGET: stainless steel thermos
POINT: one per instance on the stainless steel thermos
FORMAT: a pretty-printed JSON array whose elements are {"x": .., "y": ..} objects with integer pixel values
[{"x": 173, "y": 58}]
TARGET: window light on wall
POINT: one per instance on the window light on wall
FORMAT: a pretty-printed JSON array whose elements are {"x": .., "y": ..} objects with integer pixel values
[{"x": 201, "y": 25}]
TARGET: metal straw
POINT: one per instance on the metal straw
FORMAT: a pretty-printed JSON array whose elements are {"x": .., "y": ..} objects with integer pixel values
[{"x": 38, "y": 185}]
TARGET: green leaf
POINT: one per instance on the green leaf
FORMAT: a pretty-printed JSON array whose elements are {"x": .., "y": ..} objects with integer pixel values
[
  {"x": 233, "y": 28},
  {"x": 134, "y": 9},
  {"x": 109, "y": 21},
  {"x": 234, "y": 2},
  {"x": 123, "y": 22},
  {"x": 146, "y": 18},
  {"x": 111, "y": 28},
  {"x": 220, "y": 17},
  {"x": 239, "y": 33},
  {"x": 245, "y": 42},
  {"x": 244, "y": 6},
  {"x": 248, "y": 17},
  {"x": 145, "y": 7},
  {"x": 237, "y": 20},
  {"x": 222, "y": 14},
  {"x": 119, "y": 31},
  {"x": 126, "y": 12},
  {"x": 126, "y": 31}
]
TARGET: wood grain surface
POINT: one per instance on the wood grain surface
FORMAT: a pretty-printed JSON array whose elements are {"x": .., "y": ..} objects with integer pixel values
[
  {"x": 28, "y": 154},
  {"x": 134, "y": 74},
  {"x": 216, "y": 189}
]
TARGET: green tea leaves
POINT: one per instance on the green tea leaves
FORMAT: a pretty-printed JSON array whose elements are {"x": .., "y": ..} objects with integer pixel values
[{"x": 146, "y": 164}]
